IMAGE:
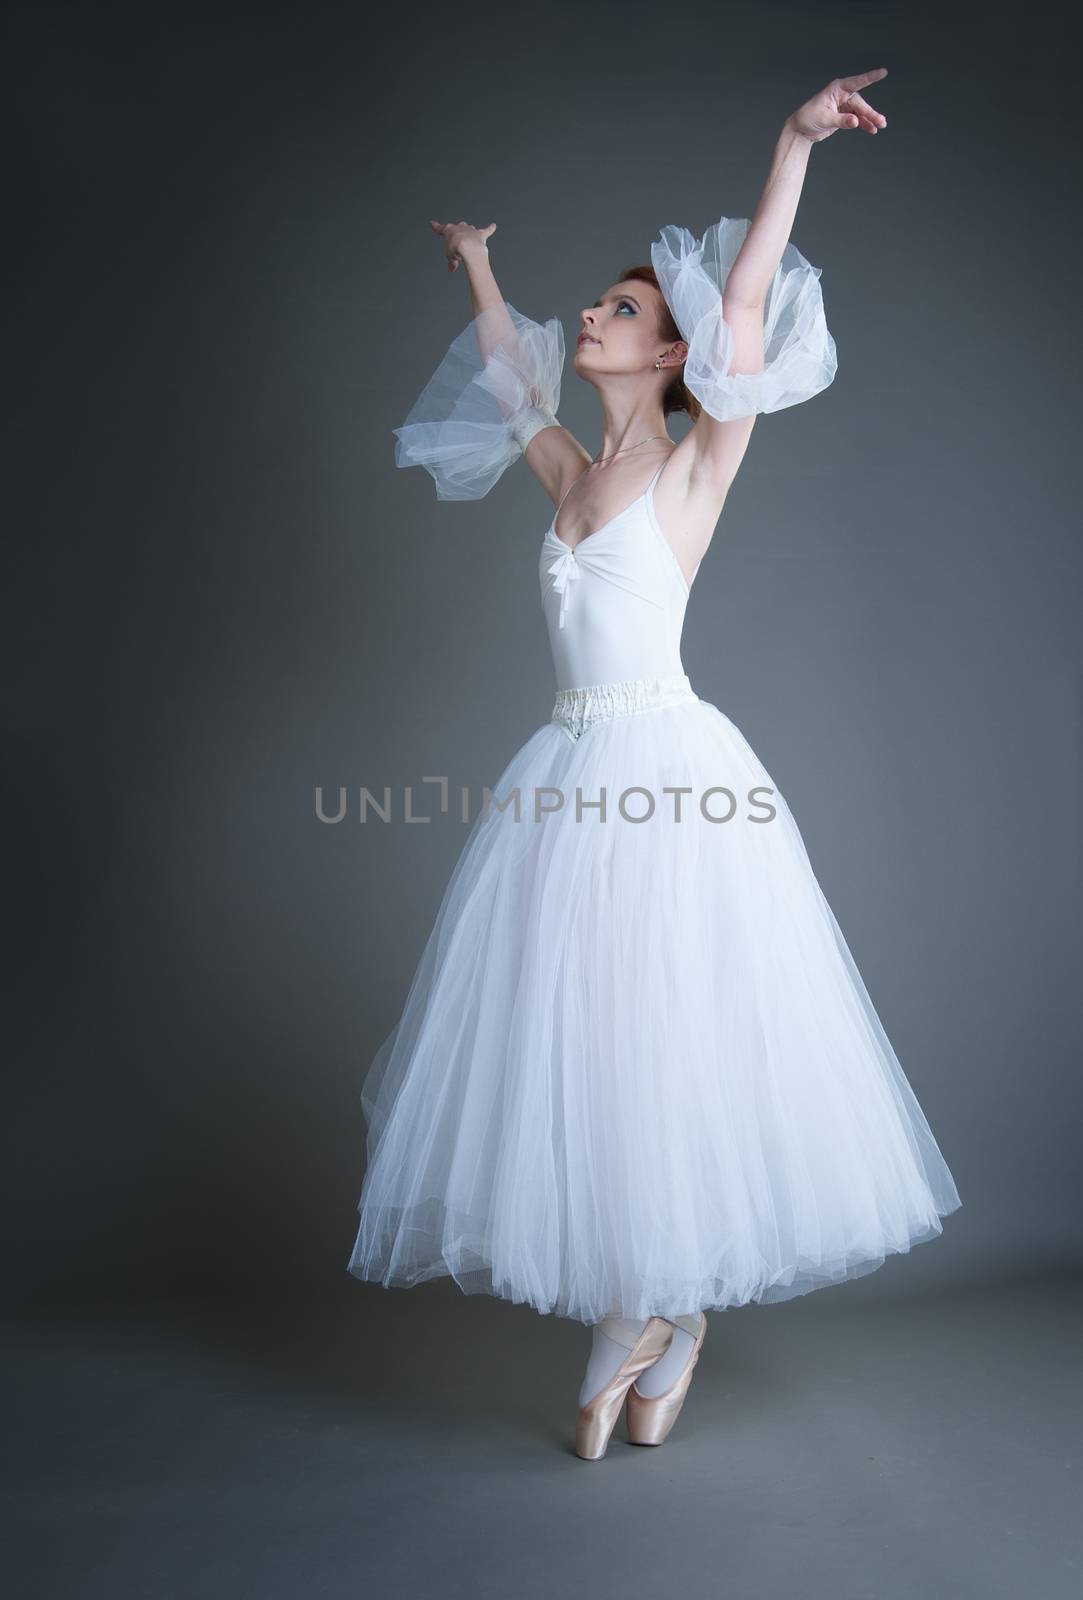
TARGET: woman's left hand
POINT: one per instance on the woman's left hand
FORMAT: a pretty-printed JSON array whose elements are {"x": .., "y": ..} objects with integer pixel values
[{"x": 840, "y": 105}]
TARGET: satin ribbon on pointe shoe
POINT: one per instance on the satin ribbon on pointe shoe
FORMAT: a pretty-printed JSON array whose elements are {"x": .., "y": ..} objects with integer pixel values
[
  {"x": 651, "y": 1418},
  {"x": 598, "y": 1417}
]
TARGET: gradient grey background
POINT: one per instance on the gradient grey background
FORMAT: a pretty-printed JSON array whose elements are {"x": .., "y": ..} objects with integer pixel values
[{"x": 223, "y": 594}]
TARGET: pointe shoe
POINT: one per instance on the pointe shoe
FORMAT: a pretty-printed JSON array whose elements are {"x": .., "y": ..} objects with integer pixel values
[
  {"x": 651, "y": 1418},
  {"x": 598, "y": 1417}
]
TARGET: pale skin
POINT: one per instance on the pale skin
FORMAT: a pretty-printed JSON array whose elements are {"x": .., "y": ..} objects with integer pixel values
[{"x": 620, "y": 343}]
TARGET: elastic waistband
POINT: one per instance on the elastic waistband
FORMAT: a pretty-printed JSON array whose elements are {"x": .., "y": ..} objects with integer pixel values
[{"x": 576, "y": 709}]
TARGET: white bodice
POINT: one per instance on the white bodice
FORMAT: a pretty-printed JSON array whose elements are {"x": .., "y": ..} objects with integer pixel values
[{"x": 614, "y": 605}]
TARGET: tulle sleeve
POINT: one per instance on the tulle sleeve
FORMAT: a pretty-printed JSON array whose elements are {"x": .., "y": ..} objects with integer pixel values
[
  {"x": 475, "y": 416},
  {"x": 799, "y": 352}
]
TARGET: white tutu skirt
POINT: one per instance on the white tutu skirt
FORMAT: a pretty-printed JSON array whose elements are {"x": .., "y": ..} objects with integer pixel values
[{"x": 637, "y": 1070}]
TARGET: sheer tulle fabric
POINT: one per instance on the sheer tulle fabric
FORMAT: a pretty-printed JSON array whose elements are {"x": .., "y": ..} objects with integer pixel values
[
  {"x": 799, "y": 352},
  {"x": 637, "y": 1070},
  {"x": 460, "y": 427}
]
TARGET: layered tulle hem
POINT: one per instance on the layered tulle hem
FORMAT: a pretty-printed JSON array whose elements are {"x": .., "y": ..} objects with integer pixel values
[{"x": 467, "y": 1264}]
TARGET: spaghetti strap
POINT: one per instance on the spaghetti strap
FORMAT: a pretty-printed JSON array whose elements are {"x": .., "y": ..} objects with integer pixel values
[
  {"x": 564, "y": 497},
  {"x": 648, "y": 493}
]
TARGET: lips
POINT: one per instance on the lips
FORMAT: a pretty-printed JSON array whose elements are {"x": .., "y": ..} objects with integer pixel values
[{"x": 585, "y": 338}]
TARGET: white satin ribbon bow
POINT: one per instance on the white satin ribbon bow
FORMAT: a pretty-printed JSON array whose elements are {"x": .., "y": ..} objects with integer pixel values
[{"x": 564, "y": 571}]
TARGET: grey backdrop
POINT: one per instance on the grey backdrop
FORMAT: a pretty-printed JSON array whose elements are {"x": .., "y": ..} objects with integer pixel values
[{"x": 224, "y": 594}]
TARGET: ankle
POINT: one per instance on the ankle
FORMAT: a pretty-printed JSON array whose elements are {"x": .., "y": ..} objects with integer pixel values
[
  {"x": 611, "y": 1340},
  {"x": 666, "y": 1371}
]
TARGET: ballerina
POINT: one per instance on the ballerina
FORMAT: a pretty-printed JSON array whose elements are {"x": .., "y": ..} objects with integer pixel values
[{"x": 637, "y": 1075}]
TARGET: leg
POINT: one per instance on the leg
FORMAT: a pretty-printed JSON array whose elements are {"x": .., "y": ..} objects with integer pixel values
[
  {"x": 606, "y": 1354},
  {"x": 668, "y": 1368}
]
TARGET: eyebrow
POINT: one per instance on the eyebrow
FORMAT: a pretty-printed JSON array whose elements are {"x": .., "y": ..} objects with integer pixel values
[{"x": 630, "y": 297}]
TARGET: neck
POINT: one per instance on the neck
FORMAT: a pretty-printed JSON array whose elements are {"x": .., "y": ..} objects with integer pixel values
[{"x": 627, "y": 420}]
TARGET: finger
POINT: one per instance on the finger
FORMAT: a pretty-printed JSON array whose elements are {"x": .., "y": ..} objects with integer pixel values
[
  {"x": 861, "y": 80},
  {"x": 865, "y": 122},
  {"x": 858, "y": 103}
]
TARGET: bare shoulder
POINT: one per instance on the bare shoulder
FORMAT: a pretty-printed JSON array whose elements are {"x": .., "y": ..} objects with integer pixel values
[{"x": 556, "y": 458}]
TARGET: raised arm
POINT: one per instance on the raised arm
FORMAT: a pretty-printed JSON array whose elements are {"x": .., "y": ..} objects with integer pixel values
[
  {"x": 553, "y": 454},
  {"x": 468, "y": 246},
  {"x": 497, "y": 387},
  {"x": 757, "y": 334}
]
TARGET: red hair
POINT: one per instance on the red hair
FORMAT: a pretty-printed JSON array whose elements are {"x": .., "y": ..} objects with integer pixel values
[{"x": 677, "y": 397}]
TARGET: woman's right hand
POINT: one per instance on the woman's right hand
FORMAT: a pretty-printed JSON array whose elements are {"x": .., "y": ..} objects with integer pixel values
[{"x": 461, "y": 239}]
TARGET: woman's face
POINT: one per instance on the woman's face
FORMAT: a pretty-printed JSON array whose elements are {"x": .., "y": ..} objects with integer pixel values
[{"x": 619, "y": 332}]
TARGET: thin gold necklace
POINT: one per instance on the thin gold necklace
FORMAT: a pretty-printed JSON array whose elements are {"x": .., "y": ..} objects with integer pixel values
[{"x": 628, "y": 447}]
